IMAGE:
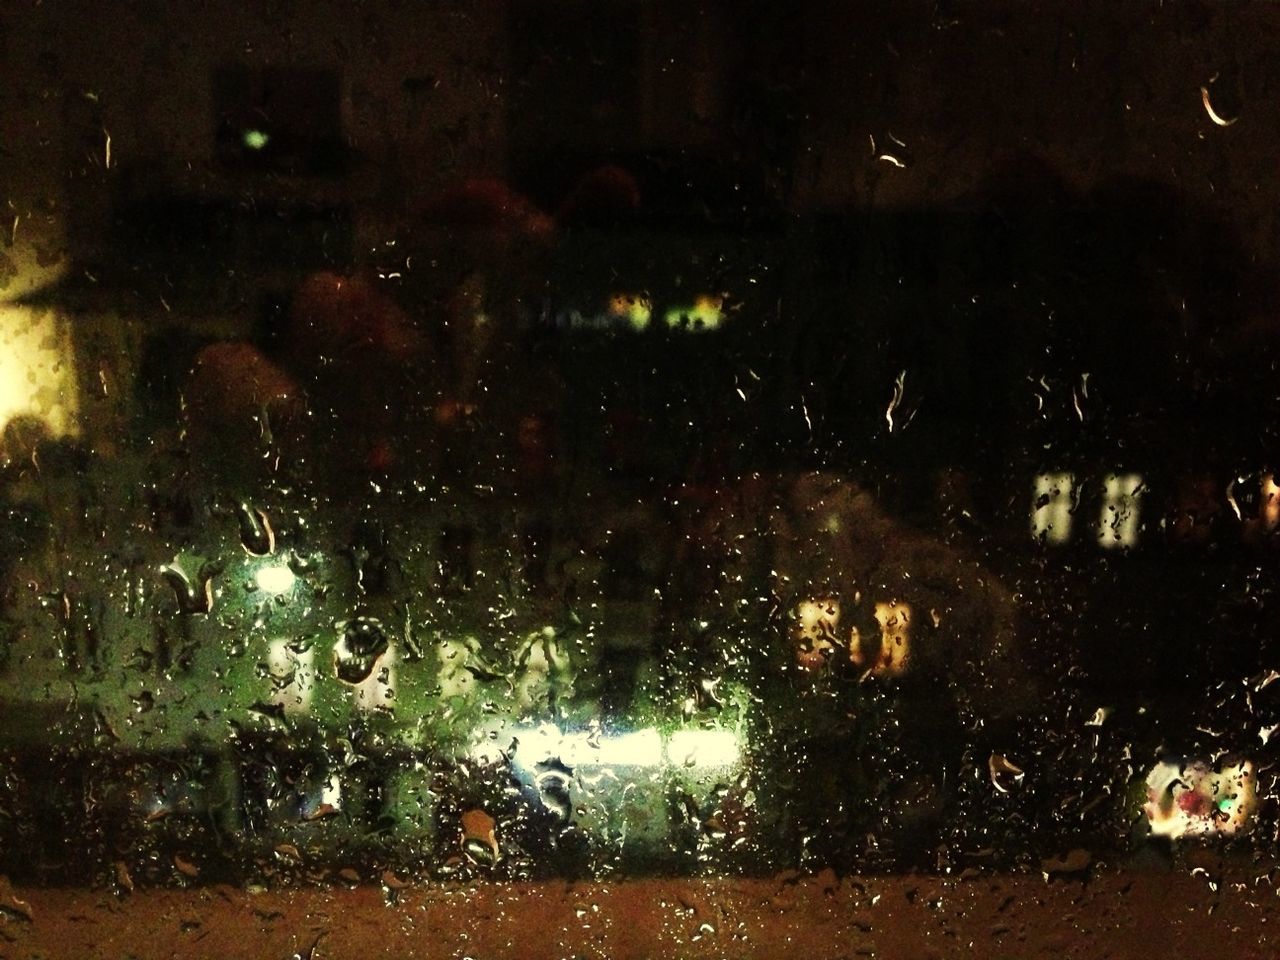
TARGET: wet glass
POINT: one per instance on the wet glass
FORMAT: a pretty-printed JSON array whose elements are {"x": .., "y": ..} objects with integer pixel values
[{"x": 700, "y": 480}]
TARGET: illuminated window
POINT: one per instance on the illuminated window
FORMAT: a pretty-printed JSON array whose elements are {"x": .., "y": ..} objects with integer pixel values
[
  {"x": 631, "y": 310},
  {"x": 1051, "y": 507},
  {"x": 1192, "y": 799},
  {"x": 705, "y": 313},
  {"x": 37, "y": 370},
  {"x": 293, "y": 675},
  {"x": 378, "y": 690},
  {"x": 889, "y": 656},
  {"x": 1118, "y": 525},
  {"x": 895, "y": 638},
  {"x": 1270, "y": 508},
  {"x": 814, "y": 631}
]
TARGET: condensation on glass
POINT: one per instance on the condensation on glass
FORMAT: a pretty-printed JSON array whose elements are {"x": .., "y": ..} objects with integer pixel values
[{"x": 531, "y": 441}]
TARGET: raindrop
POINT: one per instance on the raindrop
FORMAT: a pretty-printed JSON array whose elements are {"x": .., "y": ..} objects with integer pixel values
[
  {"x": 363, "y": 642},
  {"x": 1005, "y": 775},
  {"x": 194, "y": 596},
  {"x": 256, "y": 535}
]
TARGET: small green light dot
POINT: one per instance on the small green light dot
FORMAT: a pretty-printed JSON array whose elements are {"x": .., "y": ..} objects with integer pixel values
[
  {"x": 255, "y": 139},
  {"x": 1224, "y": 805}
]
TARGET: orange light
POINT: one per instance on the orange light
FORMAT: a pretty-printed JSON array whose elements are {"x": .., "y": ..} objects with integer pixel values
[{"x": 814, "y": 632}]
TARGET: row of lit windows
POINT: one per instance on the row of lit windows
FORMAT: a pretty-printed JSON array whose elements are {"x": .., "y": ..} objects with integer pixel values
[{"x": 1056, "y": 496}]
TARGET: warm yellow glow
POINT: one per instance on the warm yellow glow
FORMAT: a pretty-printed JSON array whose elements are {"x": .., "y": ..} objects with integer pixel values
[
  {"x": 274, "y": 578},
  {"x": 480, "y": 832},
  {"x": 705, "y": 314},
  {"x": 587, "y": 751},
  {"x": 1118, "y": 525},
  {"x": 37, "y": 369},
  {"x": 1051, "y": 507},
  {"x": 639, "y": 748},
  {"x": 1270, "y": 502},
  {"x": 1194, "y": 800},
  {"x": 636, "y": 309},
  {"x": 814, "y": 630},
  {"x": 895, "y": 638},
  {"x": 703, "y": 749}
]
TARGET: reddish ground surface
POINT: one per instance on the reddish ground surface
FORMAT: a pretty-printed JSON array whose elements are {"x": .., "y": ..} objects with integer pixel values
[{"x": 1194, "y": 913}]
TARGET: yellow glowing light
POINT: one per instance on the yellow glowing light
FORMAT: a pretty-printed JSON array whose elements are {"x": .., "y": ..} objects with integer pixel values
[
  {"x": 895, "y": 638},
  {"x": 37, "y": 369},
  {"x": 639, "y": 748},
  {"x": 1118, "y": 525},
  {"x": 703, "y": 749},
  {"x": 530, "y": 748},
  {"x": 1051, "y": 507},
  {"x": 1194, "y": 800},
  {"x": 813, "y": 630},
  {"x": 1270, "y": 502},
  {"x": 636, "y": 309},
  {"x": 706, "y": 314},
  {"x": 274, "y": 578}
]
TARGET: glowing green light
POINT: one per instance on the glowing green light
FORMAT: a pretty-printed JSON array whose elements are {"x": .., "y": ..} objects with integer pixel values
[
  {"x": 705, "y": 314},
  {"x": 255, "y": 139},
  {"x": 634, "y": 309},
  {"x": 1224, "y": 804}
]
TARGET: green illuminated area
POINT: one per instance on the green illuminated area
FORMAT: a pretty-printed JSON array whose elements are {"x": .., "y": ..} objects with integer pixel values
[
  {"x": 266, "y": 648},
  {"x": 635, "y": 310},
  {"x": 706, "y": 313},
  {"x": 255, "y": 139}
]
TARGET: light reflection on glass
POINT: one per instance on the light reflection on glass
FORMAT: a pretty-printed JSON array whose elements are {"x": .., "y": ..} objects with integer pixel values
[
  {"x": 293, "y": 676},
  {"x": 704, "y": 314},
  {"x": 686, "y": 748},
  {"x": 1051, "y": 507},
  {"x": 37, "y": 369},
  {"x": 274, "y": 579},
  {"x": 703, "y": 749},
  {"x": 1118, "y": 525},
  {"x": 1270, "y": 503},
  {"x": 632, "y": 308},
  {"x": 1194, "y": 800}
]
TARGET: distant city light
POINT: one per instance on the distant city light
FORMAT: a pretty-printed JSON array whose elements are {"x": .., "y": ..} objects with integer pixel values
[
  {"x": 1051, "y": 507},
  {"x": 586, "y": 749},
  {"x": 1118, "y": 526},
  {"x": 634, "y": 309},
  {"x": 895, "y": 638},
  {"x": 274, "y": 579},
  {"x": 255, "y": 139},
  {"x": 703, "y": 749},
  {"x": 1193, "y": 800},
  {"x": 816, "y": 621},
  {"x": 1270, "y": 503},
  {"x": 705, "y": 314},
  {"x": 38, "y": 378},
  {"x": 293, "y": 676}
]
